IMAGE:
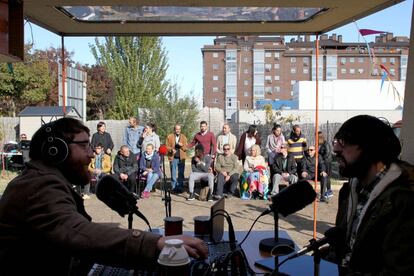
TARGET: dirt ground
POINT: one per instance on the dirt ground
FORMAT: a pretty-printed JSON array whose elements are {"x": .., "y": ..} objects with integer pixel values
[{"x": 243, "y": 212}]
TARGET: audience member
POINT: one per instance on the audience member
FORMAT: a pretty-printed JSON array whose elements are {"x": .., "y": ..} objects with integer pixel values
[
  {"x": 201, "y": 170},
  {"x": 247, "y": 140},
  {"x": 44, "y": 227},
  {"x": 226, "y": 137},
  {"x": 126, "y": 167},
  {"x": 228, "y": 172},
  {"x": 325, "y": 153},
  {"x": 375, "y": 208},
  {"x": 255, "y": 177},
  {"x": 308, "y": 171},
  {"x": 176, "y": 144},
  {"x": 206, "y": 139},
  {"x": 149, "y": 137},
  {"x": 132, "y": 134},
  {"x": 102, "y": 137},
  {"x": 274, "y": 142},
  {"x": 283, "y": 169},
  {"x": 297, "y": 144},
  {"x": 100, "y": 165},
  {"x": 149, "y": 165}
]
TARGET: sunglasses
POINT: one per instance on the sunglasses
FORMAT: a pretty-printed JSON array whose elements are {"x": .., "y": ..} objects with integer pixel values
[{"x": 226, "y": 149}]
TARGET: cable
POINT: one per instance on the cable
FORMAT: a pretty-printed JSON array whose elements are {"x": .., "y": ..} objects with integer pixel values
[
  {"x": 31, "y": 31},
  {"x": 281, "y": 245},
  {"x": 251, "y": 227}
]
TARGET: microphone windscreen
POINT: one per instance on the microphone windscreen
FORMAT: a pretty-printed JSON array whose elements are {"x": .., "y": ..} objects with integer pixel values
[
  {"x": 114, "y": 194},
  {"x": 162, "y": 150},
  {"x": 293, "y": 198}
]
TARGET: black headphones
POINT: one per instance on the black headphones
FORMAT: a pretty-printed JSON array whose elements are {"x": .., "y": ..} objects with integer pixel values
[{"x": 54, "y": 150}]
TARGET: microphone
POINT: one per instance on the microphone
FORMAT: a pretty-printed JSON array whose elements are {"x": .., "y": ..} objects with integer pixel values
[
  {"x": 333, "y": 236},
  {"x": 116, "y": 196},
  {"x": 163, "y": 150},
  {"x": 292, "y": 199}
]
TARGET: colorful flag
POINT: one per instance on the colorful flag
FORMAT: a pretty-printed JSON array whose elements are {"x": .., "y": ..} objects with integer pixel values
[{"x": 365, "y": 32}]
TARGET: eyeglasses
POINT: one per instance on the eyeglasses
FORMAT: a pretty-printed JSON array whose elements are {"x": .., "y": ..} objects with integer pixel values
[
  {"x": 86, "y": 145},
  {"x": 311, "y": 149},
  {"x": 226, "y": 148},
  {"x": 338, "y": 142}
]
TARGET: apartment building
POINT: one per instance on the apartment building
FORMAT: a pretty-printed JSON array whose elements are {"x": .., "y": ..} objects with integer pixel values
[{"x": 238, "y": 71}]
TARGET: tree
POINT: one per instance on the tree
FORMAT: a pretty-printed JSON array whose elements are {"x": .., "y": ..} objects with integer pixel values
[
  {"x": 100, "y": 91},
  {"x": 25, "y": 83},
  {"x": 137, "y": 67},
  {"x": 174, "y": 110}
]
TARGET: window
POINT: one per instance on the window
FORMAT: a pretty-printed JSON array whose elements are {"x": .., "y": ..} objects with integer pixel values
[
  {"x": 215, "y": 66},
  {"x": 343, "y": 70},
  {"x": 246, "y": 82},
  {"x": 293, "y": 70},
  {"x": 215, "y": 77},
  {"x": 246, "y": 105},
  {"x": 305, "y": 71},
  {"x": 215, "y": 89},
  {"x": 231, "y": 55},
  {"x": 306, "y": 61},
  {"x": 277, "y": 55},
  {"x": 404, "y": 60},
  {"x": 268, "y": 79},
  {"x": 246, "y": 94},
  {"x": 245, "y": 59},
  {"x": 392, "y": 71},
  {"x": 215, "y": 55},
  {"x": 292, "y": 82},
  {"x": 392, "y": 60},
  {"x": 268, "y": 66},
  {"x": 259, "y": 43},
  {"x": 343, "y": 61},
  {"x": 231, "y": 67},
  {"x": 258, "y": 68},
  {"x": 361, "y": 60},
  {"x": 277, "y": 89},
  {"x": 351, "y": 60},
  {"x": 246, "y": 71},
  {"x": 268, "y": 90},
  {"x": 360, "y": 70},
  {"x": 268, "y": 54},
  {"x": 375, "y": 72},
  {"x": 277, "y": 78},
  {"x": 276, "y": 66},
  {"x": 352, "y": 71},
  {"x": 292, "y": 59},
  {"x": 383, "y": 60},
  {"x": 215, "y": 100}
]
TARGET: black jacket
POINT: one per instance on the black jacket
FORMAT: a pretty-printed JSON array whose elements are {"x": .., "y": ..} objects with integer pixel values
[
  {"x": 308, "y": 164},
  {"x": 325, "y": 152},
  {"x": 277, "y": 166},
  {"x": 124, "y": 164},
  {"x": 105, "y": 139},
  {"x": 384, "y": 243}
]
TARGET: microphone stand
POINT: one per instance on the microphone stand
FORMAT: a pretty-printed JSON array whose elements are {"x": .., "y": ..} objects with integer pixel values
[
  {"x": 166, "y": 190},
  {"x": 316, "y": 259}
]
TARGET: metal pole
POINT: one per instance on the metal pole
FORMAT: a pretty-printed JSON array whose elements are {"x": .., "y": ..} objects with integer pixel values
[
  {"x": 315, "y": 204},
  {"x": 63, "y": 75}
]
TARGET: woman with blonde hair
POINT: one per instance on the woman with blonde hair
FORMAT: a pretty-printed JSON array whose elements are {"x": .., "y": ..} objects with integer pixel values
[{"x": 255, "y": 176}]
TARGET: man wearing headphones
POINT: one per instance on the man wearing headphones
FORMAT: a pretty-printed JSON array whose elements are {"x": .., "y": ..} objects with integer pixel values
[
  {"x": 44, "y": 228},
  {"x": 376, "y": 206}
]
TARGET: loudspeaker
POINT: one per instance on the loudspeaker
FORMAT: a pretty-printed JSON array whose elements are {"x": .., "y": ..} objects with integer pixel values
[{"x": 54, "y": 150}]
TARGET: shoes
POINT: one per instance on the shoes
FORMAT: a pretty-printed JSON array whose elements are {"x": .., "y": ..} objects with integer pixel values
[
  {"x": 191, "y": 197},
  {"x": 328, "y": 194},
  {"x": 216, "y": 197},
  {"x": 228, "y": 196},
  {"x": 146, "y": 194},
  {"x": 323, "y": 199},
  {"x": 210, "y": 197},
  {"x": 85, "y": 196}
]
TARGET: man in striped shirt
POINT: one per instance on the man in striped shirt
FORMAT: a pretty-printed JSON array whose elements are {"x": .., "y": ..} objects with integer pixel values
[{"x": 297, "y": 145}]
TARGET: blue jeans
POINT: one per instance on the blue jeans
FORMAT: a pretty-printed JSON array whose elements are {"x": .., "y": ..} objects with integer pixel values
[
  {"x": 180, "y": 164},
  {"x": 151, "y": 179}
]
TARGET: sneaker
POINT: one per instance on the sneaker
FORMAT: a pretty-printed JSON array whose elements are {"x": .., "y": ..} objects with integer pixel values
[
  {"x": 228, "y": 196},
  {"x": 191, "y": 197},
  {"x": 85, "y": 196},
  {"x": 210, "y": 197},
  {"x": 329, "y": 194},
  {"x": 146, "y": 194},
  {"x": 216, "y": 197}
]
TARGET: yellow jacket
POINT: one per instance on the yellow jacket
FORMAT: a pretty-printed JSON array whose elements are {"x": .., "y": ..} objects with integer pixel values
[{"x": 106, "y": 164}]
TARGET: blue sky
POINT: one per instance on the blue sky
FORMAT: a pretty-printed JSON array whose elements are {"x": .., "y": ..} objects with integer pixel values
[{"x": 184, "y": 54}]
